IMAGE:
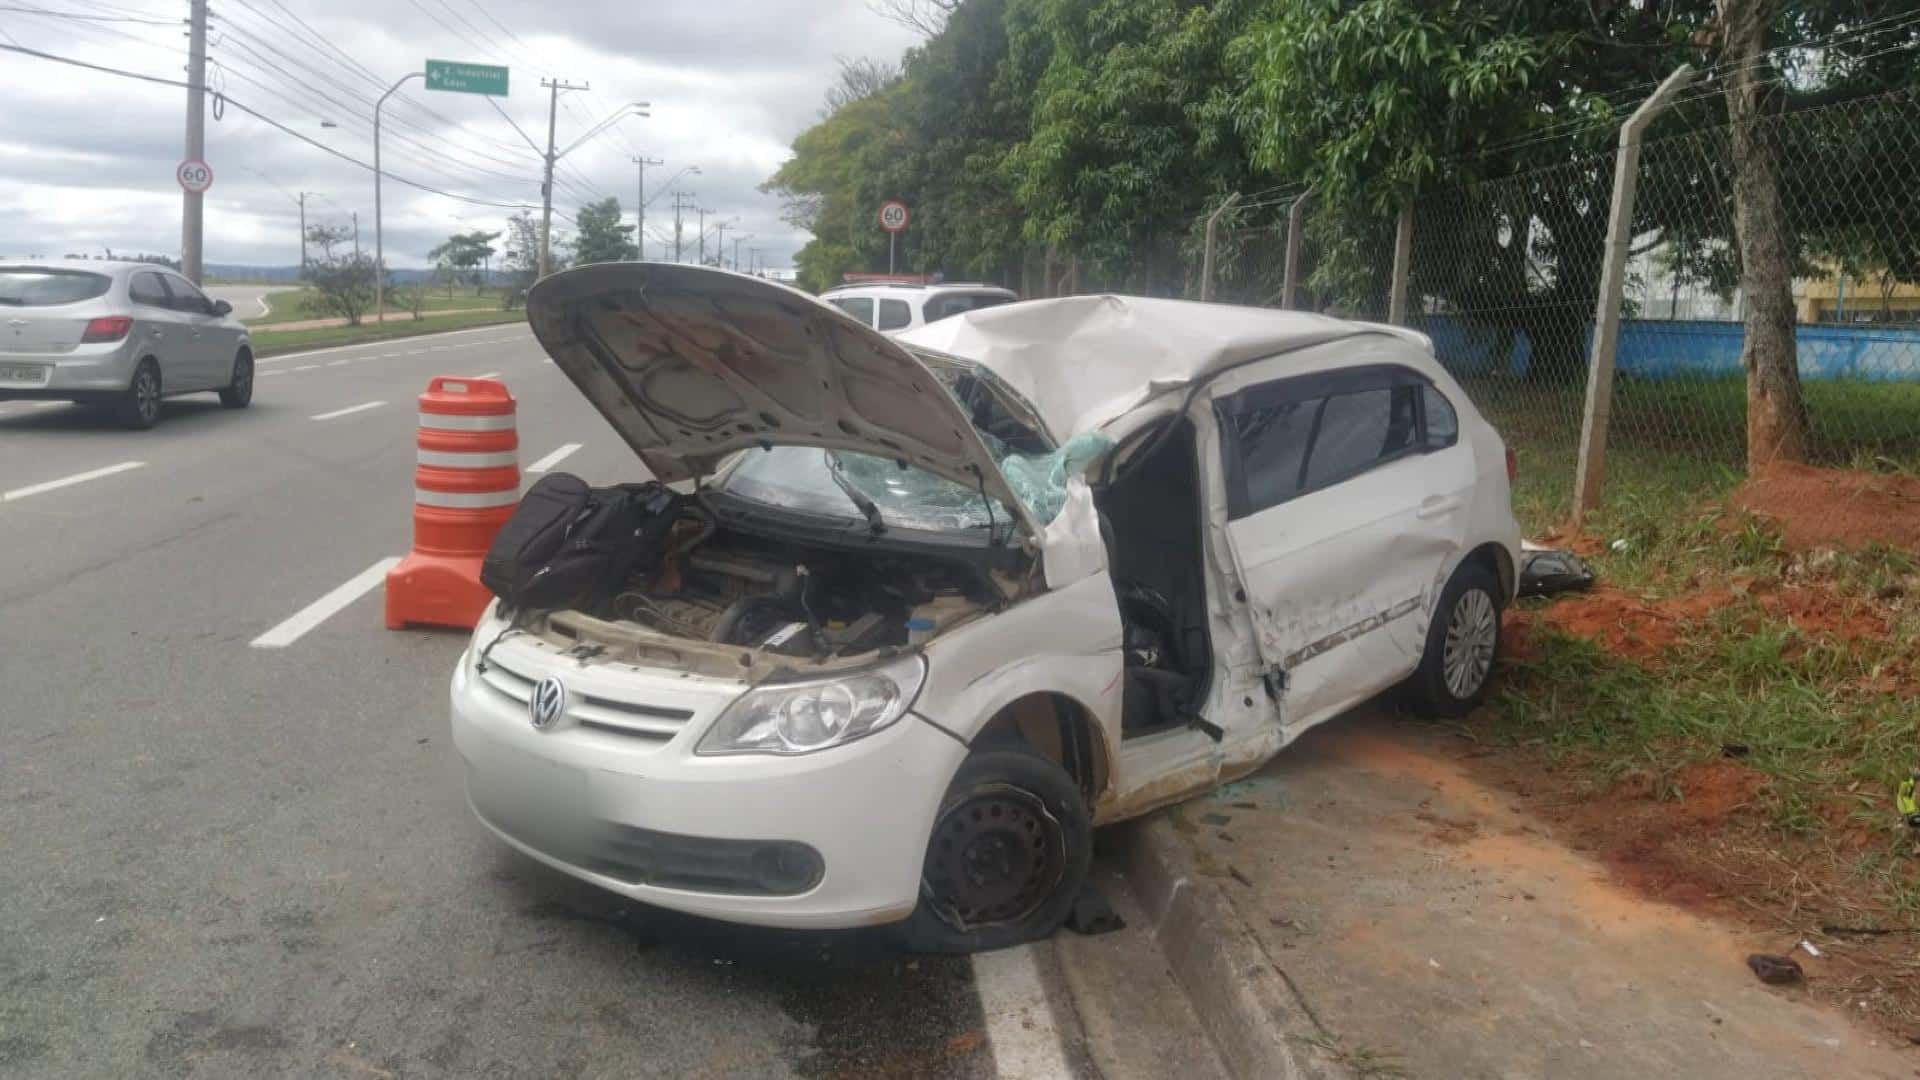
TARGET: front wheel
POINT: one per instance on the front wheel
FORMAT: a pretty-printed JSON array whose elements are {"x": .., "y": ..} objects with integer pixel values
[
  {"x": 239, "y": 391},
  {"x": 1008, "y": 856},
  {"x": 1464, "y": 638}
]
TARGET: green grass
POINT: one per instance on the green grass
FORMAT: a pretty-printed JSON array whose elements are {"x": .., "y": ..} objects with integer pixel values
[
  {"x": 270, "y": 342},
  {"x": 299, "y": 305},
  {"x": 1808, "y": 710}
]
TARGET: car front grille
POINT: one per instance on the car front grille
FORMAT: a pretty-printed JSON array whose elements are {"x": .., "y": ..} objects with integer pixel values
[{"x": 633, "y": 719}]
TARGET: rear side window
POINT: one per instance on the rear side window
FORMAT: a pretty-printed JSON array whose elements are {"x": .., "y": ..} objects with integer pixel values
[
  {"x": 951, "y": 304},
  {"x": 1443, "y": 424},
  {"x": 1290, "y": 437},
  {"x": 860, "y": 307},
  {"x": 28, "y": 287},
  {"x": 1357, "y": 431},
  {"x": 895, "y": 314},
  {"x": 146, "y": 287}
]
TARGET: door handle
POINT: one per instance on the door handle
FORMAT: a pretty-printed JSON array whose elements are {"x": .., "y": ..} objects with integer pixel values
[{"x": 1435, "y": 505}]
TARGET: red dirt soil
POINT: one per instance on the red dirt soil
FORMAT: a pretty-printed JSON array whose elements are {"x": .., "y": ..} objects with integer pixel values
[
  {"x": 1642, "y": 630},
  {"x": 1835, "y": 508}
]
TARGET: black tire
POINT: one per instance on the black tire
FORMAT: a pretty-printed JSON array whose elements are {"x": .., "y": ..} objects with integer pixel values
[
  {"x": 239, "y": 392},
  {"x": 139, "y": 404},
  {"x": 1471, "y": 597},
  {"x": 1025, "y": 818}
]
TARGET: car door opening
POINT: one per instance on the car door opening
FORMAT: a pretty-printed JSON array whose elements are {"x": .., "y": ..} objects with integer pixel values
[{"x": 1151, "y": 519}]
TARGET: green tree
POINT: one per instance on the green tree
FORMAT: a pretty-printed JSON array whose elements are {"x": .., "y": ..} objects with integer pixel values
[
  {"x": 342, "y": 281},
  {"x": 602, "y": 237},
  {"x": 462, "y": 255}
]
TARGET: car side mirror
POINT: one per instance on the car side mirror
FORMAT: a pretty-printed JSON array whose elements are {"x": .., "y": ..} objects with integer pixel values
[{"x": 221, "y": 307}]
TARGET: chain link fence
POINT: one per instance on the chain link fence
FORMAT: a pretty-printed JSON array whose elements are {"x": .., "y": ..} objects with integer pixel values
[{"x": 1505, "y": 276}]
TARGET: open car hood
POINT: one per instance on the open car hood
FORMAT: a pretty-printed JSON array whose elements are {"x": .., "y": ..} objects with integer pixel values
[{"x": 690, "y": 364}]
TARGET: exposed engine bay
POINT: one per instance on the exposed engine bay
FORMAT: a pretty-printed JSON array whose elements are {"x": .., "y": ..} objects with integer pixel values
[{"x": 729, "y": 587}]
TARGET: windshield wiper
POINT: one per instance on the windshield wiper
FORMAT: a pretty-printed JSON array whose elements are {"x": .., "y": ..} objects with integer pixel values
[{"x": 875, "y": 523}]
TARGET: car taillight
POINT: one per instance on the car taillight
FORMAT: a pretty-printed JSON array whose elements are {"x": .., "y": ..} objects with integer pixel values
[
  {"x": 1513, "y": 465},
  {"x": 106, "y": 328}
]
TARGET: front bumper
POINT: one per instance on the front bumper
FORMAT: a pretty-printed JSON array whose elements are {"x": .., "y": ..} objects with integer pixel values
[
  {"x": 87, "y": 371},
  {"x": 651, "y": 820}
]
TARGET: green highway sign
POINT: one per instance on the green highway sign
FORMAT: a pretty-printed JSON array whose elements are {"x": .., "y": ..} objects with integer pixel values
[{"x": 467, "y": 78}]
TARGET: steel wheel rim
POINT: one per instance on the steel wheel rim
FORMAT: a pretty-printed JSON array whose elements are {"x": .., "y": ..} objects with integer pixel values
[
  {"x": 146, "y": 395},
  {"x": 1472, "y": 631},
  {"x": 995, "y": 858}
]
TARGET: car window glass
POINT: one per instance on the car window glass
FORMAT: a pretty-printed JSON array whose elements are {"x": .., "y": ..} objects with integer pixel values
[
  {"x": 1272, "y": 442},
  {"x": 30, "y": 287},
  {"x": 951, "y": 304},
  {"x": 1357, "y": 430},
  {"x": 860, "y": 307},
  {"x": 188, "y": 298},
  {"x": 894, "y": 314},
  {"x": 147, "y": 288},
  {"x": 1443, "y": 424}
]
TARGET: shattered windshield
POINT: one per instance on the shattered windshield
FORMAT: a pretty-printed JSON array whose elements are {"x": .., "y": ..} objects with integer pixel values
[{"x": 811, "y": 479}]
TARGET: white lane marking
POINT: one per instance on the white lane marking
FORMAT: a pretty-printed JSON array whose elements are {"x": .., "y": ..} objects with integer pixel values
[
  {"x": 488, "y": 375},
  {"x": 384, "y": 356},
  {"x": 304, "y": 367},
  {"x": 266, "y": 309},
  {"x": 372, "y": 344},
  {"x": 1019, "y": 1022},
  {"x": 48, "y": 404},
  {"x": 413, "y": 352},
  {"x": 349, "y": 410},
  {"x": 339, "y": 363},
  {"x": 271, "y": 374},
  {"x": 554, "y": 458},
  {"x": 326, "y": 607},
  {"x": 69, "y": 481}
]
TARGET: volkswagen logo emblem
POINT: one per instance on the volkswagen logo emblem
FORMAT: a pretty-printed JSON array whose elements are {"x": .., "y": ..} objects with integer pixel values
[{"x": 549, "y": 700}]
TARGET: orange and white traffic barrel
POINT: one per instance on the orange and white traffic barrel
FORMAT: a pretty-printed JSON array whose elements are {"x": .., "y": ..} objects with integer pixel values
[{"x": 466, "y": 484}]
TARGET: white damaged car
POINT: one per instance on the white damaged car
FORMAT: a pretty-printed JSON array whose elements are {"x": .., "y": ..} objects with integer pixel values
[{"x": 941, "y": 604}]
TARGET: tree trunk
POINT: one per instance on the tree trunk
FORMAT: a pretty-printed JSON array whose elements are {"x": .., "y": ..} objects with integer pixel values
[{"x": 1776, "y": 413}]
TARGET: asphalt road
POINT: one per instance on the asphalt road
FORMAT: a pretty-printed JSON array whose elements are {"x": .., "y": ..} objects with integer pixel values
[
  {"x": 219, "y": 860},
  {"x": 249, "y": 301}
]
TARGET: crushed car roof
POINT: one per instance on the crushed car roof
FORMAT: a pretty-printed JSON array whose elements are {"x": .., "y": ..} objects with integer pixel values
[{"x": 1085, "y": 360}]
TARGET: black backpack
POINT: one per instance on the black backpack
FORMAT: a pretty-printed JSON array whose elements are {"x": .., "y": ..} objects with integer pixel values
[{"x": 569, "y": 545}]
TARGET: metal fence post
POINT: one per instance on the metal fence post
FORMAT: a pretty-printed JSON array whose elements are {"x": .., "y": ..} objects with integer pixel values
[
  {"x": 1591, "y": 469},
  {"x": 1206, "y": 259},
  {"x": 1402, "y": 265},
  {"x": 1296, "y": 223}
]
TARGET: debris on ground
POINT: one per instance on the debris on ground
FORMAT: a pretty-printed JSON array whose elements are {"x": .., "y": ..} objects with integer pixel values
[
  {"x": 1093, "y": 914},
  {"x": 1545, "y": 571},
  {"x": 1837, "y": 508},
  {"x": 1775, "y": 970}
]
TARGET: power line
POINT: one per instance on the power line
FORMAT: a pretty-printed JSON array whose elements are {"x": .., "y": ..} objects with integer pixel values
[
  {"x": 91, "y": 18},
  {"x": 264, "y": 118}
]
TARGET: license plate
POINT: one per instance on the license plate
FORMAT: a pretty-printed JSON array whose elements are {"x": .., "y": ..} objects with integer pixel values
[{"x": 31, "y": 374}]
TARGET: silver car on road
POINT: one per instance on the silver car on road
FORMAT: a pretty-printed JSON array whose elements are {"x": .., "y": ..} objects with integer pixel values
[{"x": 122, "y": 334}]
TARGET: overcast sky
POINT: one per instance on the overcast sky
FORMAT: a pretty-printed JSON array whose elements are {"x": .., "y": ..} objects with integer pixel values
[{"x": 87, "y": 159}]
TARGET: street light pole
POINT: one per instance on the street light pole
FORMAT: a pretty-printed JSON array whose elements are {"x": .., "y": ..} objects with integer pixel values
[
  {"x": 640, "y": 206},
  {"x": 379, "y": 241},
  {"x": 303, "y": 233}
]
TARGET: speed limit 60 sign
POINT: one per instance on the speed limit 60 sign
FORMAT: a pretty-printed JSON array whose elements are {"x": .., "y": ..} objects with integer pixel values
[
  {"x": 194, "y": 175},
  {"x": 894, "y": 216}
]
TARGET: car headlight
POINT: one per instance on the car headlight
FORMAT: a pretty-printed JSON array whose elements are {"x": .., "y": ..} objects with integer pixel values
[{"x": 799, "y": 718}]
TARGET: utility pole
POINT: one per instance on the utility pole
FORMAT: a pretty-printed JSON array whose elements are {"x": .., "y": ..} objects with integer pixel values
[
  {"x": 640, "y": 205},
  {"x": 303, "y": 232},
  {"x": 720, "y": 243},
  {"x": 546, "y": 185},
  {"x": 703, "y": 212},
  {"x": 192, "y": 203},
  {"x": 356, "y": 235},
  {"x": 681, "y": 202}
]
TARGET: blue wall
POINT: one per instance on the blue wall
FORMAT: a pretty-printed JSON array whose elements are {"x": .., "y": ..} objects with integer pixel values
[{"x": 1662, "y": 349}]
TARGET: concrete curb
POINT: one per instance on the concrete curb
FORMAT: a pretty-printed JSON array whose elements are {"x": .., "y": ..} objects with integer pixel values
[{"x": 1258, "y": 1022}]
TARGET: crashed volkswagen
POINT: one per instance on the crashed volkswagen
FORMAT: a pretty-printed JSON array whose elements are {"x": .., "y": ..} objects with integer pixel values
[{"x": 937, "y": 606}]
